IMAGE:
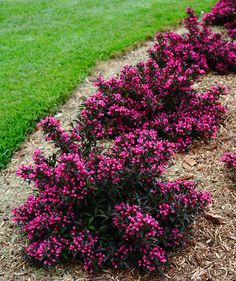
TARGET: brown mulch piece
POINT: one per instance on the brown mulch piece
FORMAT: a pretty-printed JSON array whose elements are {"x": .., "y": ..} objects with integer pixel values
[{"x": 211, "y": 254}]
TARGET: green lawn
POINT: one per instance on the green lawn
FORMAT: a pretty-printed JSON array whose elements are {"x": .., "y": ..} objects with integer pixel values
[{"x": 48, "y": 47}]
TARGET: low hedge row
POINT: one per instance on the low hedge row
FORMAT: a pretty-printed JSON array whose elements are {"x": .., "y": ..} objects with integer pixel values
[{"x": 112, "y": 207}]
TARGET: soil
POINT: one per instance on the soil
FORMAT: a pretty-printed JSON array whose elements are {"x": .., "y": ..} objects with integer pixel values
[{"x": 211, "y": 254}]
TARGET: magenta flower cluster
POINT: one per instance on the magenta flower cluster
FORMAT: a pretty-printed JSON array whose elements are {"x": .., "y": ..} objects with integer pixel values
[
  {"x": 108, "y": 204},
  {"x": 229, "y": 158},
  {"x": 223, "y": 13}
]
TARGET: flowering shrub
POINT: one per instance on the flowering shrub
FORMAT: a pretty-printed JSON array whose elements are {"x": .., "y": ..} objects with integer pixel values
[
  {"x": 220, "y": 54},
  {"x": 107, "y": 207},
  {"x": 138, "y": 95},
  {"x": 198, "y": 49},
  {"x": 179, "y": 116},
  {"x": 223, "y": 13},
  {"x": 229, "y": 158}
]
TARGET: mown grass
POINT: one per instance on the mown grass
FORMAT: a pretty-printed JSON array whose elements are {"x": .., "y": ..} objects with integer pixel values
[{"x": 48, "y": 47}]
